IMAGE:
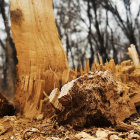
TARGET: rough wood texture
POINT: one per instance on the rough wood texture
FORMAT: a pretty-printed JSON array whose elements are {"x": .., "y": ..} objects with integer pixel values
[
  {"x": 96, "y": 98},
  {"x": 42, "y": 63},
  {"x": 53, "y": 99},
  {"x": 128, "y": 72}
]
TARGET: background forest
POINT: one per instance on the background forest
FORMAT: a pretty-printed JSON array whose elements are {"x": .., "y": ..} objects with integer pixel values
[{"x": 89, "y": 27}]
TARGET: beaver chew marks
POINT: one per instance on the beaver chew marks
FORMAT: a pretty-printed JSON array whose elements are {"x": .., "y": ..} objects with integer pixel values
[
  {"x": 95, "y": 98},
  {"x": 16, "y": 16},
  {"x": 42, "y": 63}
]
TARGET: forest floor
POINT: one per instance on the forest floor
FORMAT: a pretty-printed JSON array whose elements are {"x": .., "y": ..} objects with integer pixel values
[{"x": 18, "y": 128}]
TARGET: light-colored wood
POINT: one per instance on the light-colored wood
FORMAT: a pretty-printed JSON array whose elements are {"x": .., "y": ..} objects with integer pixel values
[
  {"x": 41, "y": 58},
  {"x": 100, "y": 59},
  {"x": 81, "y": 70},
  {"x": 134, "y": 55},
  {"x": 53, "y": 98}
]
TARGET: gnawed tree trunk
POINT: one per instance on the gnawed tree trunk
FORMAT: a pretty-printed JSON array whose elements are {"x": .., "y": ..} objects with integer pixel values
[{"x": 42, "y": 63}]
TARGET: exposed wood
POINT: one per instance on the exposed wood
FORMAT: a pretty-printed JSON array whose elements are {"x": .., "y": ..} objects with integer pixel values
[
  {"x": 42, "y": 62},
  {"x": 100, "y": 59},
  {"x": 53, "y": 98},
  {"x": 81, "y": 70},
  {"x": 134, "y": 55}
]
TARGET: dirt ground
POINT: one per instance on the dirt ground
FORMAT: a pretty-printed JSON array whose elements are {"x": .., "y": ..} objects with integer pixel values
[{"x": 18, "y": 128}]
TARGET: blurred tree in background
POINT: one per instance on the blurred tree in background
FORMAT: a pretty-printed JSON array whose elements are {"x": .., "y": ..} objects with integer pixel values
[
  {"x": 89, "y": 27},
  {"x": 8, "y": 59}
]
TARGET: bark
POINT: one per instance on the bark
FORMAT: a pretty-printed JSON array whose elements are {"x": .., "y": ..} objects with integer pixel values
[{"x": 42, "y": 62}]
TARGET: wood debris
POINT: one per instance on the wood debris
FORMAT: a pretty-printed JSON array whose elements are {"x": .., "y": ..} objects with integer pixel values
[{"x": 96, "y": 98}]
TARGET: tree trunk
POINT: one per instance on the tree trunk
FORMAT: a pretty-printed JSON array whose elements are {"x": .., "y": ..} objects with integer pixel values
[{"x": 42, "y": 63}]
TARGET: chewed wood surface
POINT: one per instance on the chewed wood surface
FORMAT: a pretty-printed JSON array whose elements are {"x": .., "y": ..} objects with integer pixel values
[{"x": 41, "y": 57}]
